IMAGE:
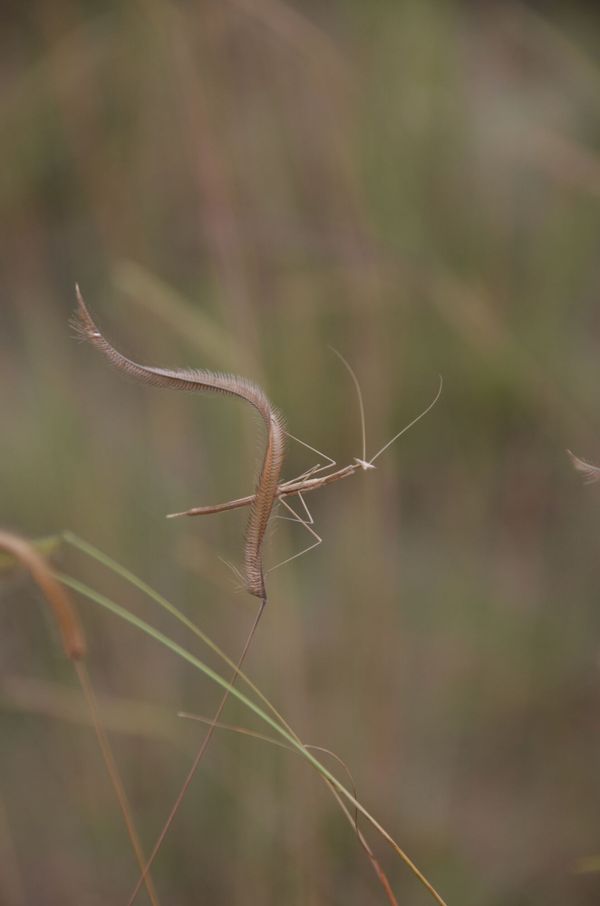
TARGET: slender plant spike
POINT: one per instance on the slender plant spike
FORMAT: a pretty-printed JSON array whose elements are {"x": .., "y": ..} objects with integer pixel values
[
  {"x": 74, "y": 644},
  {"x": 213, "y": 382},
  {"x": 591, "y": 473},
  {"x": 25, "y": 553}
]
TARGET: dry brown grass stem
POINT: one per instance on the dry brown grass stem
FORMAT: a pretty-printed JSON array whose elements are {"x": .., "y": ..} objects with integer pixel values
[
  {"x": 115, "y": 778},
  {"x": 74, "y": 644},
  {"x": 56, "y": 596},
  {"x": 590, "y": 472}
]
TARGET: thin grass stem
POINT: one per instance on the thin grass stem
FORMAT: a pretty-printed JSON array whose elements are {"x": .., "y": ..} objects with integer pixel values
[
  {"x": 74, "y": 644},
  {"x": 177, "y": 649}
]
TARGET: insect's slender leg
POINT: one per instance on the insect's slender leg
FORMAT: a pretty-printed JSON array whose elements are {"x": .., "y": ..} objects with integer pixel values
[
  {"x": 296, "y": 518},
  {"x": 307, "y": 474},
  {"x": 318, "y": 468},
  {"x": 216, "y": 508},
  {"x": 308, "y": 525}
]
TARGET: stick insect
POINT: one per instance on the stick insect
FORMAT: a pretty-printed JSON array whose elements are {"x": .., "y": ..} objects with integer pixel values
[
  {"x": 269, "y": 490},
  {"x": 311, "y": 480}
]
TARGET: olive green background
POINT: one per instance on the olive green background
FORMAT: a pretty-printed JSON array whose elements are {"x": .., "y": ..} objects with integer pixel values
[{"x": 238, "y": 185}]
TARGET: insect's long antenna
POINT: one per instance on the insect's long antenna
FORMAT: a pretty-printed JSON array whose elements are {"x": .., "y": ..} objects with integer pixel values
[
  {"x": 361, "y": 405},
  {"x": 410, "y": 424}
]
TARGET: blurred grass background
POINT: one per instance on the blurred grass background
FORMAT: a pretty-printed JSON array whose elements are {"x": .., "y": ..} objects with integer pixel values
[{"x": 235, "y": 186}]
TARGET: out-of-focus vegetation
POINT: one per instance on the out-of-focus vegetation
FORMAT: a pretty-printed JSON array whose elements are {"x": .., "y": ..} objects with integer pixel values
[{"x": 236, "y": 185}]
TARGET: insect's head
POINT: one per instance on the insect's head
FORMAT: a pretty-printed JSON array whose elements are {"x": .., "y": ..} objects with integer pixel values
[{"x": 364, "y": 464}]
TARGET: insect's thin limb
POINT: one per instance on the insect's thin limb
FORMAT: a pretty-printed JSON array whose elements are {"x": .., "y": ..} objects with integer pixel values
[
  {"x": 306, "y": 474},
  {"x": 361, "y": 405},
  {"x": 330, "y": 462},
  {"x": 307, "y": 525},
  {"x": 410, "y": 424},
  {"x": 309, "y": 516},
  {"x": 308, "y": 521}
]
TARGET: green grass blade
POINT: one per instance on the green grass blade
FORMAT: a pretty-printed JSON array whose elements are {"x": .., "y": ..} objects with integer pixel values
[
  {"x": 98, "y": 555},
  {"x": 158, "y": 636}
]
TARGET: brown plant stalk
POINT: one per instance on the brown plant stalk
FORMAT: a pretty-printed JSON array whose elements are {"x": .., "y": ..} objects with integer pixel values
[{"x": 74, "y": 644}]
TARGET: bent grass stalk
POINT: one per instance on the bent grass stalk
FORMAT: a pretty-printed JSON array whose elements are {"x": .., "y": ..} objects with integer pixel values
[
  {"x": 590, "y": 472},
  {"x": 202, "y": 380},
  {"x": 74, "y": 644},
  {"x": 65, "y": 615},
  {"x": 290, "y": 738}
]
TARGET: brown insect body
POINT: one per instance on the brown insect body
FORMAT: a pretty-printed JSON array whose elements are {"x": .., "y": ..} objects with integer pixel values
[{"x": 285, "y": 489}]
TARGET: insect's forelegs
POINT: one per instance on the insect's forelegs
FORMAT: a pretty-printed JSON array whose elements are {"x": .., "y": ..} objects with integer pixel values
[{"x": 308, "y": 525}]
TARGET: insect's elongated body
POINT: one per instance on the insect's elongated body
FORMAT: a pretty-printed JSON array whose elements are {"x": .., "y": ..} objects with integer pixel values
[
  {"x": 310, "y": 481},
  {"x": 285, "y": 489}
]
